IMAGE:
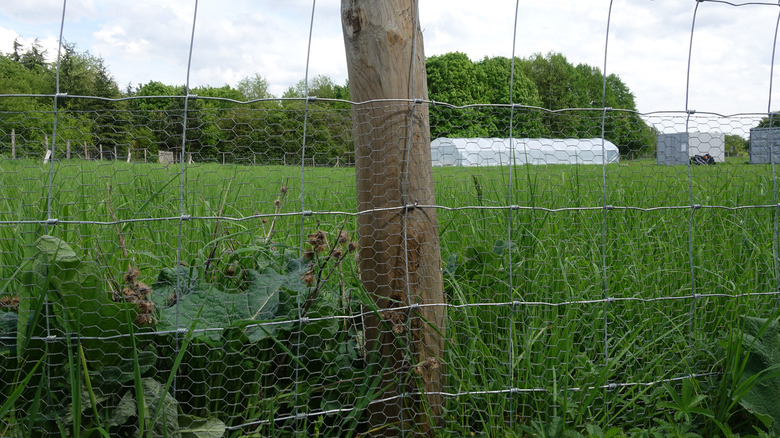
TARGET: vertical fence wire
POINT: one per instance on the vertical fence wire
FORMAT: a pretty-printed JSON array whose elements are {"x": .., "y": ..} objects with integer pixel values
[
  {"x": 183, "y": 186},
  {"x": 50, "y": 188},
  {"x": 604, "y": 231},
  {"x": 691, "y": 256},
  {"x": 300, "y": 299},
  {"x": 513, "y": 402},
  {"x": 772, "y": 155},
  {"x": 405, "y": 203}
]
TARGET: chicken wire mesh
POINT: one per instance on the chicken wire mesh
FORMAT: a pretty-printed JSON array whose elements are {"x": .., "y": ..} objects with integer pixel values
[{"x": 186, "y": 265}]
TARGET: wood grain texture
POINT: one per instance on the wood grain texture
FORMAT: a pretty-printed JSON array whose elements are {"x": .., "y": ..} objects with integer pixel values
[{"x": 400, "y": 258}]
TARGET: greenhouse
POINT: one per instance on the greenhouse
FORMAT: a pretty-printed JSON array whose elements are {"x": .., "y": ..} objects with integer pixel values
[{"x": 502, "y": 151}]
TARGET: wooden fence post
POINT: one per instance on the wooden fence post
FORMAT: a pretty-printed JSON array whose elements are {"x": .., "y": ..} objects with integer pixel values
[
  {"x": 67, "y": 150},
  {"x": 47, "y": 156},
  {"x": 100, "y": 148},
  {"x": 399, "y": 255}
]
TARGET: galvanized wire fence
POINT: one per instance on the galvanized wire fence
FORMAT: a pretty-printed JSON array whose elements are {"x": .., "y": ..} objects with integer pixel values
[{"x": 190, "y": 265}]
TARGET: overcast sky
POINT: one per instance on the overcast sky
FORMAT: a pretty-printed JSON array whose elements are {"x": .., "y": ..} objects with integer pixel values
[{"x": 143, "y": 40}]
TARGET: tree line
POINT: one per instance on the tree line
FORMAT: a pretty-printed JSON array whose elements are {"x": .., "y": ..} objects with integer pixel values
[{"x": 247, "y": 120}]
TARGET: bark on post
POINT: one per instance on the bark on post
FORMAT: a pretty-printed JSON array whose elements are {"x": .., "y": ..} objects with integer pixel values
[{"x": 400, "y": 260}]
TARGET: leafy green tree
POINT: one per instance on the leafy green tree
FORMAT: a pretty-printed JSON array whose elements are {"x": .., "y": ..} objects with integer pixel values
[
  {"x": 556, "y": 81},
  {"x": 82, "y": 74},
  {"x": 768, "y": 122},
  {"x": 328, "y": 132},
  {"x": 254, "y": 87},
  {"x": 736, "y": 146},
  {"x": 452, "y": 78},
  {"x": 28, "y": 117},
  {"x": 34, "y": 59},
  {"x": 563, "y": 86},
  {"x": 160, "y": 107},
  {"x": 455, "y": 80}
]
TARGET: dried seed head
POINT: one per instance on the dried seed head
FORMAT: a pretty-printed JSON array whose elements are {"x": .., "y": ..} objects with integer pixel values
[
  {"x": 278, "y": 203},
  {"x": 142, "y": 290},
  {"x": 265, "y": 220},
  {"x": 230, "y": 270},
  {"x": 337, "y": 253},
  {"x": 343, "y": 237},
  {"x": 145, "y": 307},
  {"x": 318, "y": 239},
  {"x": 129, "y": 294},
  {"x": 308, "y": 278},
  {"x": 283, "y": 190},
  {"x": 352, "y": 247},
  {"x": 131, "y": 275},
  {"x": 321, "y": 248},
  {"x": 9, "y": 302},
  {"x": 308, "y": 255},
  {"x": 143, "y": 319}
]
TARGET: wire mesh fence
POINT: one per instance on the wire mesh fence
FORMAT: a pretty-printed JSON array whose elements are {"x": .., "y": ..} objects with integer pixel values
[{"x": 194, "y": 266}]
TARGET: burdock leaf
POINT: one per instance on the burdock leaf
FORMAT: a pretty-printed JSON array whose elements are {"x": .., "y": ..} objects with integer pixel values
[{"x": 761, "y": 340}]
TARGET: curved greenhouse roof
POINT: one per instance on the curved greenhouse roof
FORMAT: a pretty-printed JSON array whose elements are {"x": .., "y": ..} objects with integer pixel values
[{"x": 499, "y": 151}]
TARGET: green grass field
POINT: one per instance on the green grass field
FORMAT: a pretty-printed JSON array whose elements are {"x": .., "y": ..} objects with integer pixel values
[{"x": 567, "y": 319}]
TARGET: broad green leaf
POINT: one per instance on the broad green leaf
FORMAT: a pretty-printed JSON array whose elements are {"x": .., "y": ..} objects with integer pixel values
[
  {"x": 31, "y": 302},
  {"x": 194, "y": 427},
  {"x": 125, "y": 410},
  {"x": 168, "y": 421},
  {"x": 761, "y": 339},
  {"x": 76, "y": 294},
  {"x": 57, "y": 252},
  {"x": 260, "y": 301}
]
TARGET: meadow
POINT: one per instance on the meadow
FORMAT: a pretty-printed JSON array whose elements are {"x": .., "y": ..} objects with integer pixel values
[{"x": 566, "y": 319}]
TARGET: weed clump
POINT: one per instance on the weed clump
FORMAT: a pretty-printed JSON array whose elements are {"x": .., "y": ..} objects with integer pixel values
[
  {"x": 324, "y": 259},
  {"x": 10, "y": 303},
  {"x": 137, "y": 293}
]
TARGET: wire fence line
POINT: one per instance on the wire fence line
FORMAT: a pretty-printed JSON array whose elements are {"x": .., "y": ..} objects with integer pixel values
[{"x": 561, "y": 280}]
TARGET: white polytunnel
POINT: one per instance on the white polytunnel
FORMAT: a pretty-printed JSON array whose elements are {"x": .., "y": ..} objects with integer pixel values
[{"x": 504, "y": 151}]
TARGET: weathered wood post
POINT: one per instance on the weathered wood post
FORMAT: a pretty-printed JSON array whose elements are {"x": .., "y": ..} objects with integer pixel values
[
  {"x": 100, "y": 147},
  {"x": 86, "y": 152},
  {"x": 67, "y": 150},
  {"x": 400, "y": 259},
  {"x": 13, "y": 144},
  {"x": 47, "y": 155}
]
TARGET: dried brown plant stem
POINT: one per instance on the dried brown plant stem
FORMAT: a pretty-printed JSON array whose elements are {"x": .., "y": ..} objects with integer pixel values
[
  {"x": 217, "y": 226},
  {"x": 278, "y": 205},
  {"x": 321, "y": 265},
  {"x": 110, "y": 206}
]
